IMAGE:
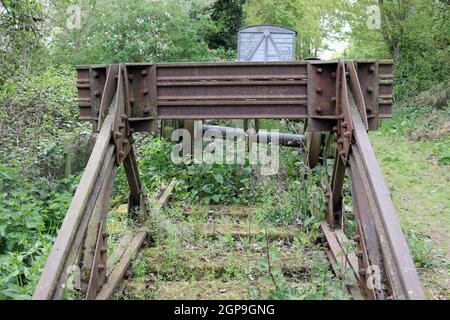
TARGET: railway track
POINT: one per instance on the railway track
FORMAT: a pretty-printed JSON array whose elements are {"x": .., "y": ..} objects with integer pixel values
[
  {"x": 223, "y": 255},
  {"x": 338, "y": 100}
]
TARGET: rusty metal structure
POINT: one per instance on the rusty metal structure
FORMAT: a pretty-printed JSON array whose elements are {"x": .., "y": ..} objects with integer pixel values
[{"x": 338, "y": 100}]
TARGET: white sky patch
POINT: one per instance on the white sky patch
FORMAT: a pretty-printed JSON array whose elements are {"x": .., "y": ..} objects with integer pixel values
[{"x": 335, "y": 45}]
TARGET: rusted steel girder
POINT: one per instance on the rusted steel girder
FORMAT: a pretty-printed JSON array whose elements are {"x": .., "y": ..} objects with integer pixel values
[
  {"x": 234, "y": 90},
  {"x": 381, "y": 238},
  {"x": 381, "y": 247},
  {"x": 81, "y": 241}
]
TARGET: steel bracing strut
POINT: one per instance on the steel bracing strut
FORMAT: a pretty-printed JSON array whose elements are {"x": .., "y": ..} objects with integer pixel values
[{"x": 342, "y": 99}]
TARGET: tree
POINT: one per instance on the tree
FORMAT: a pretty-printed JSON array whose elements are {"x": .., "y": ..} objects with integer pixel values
[
  {"x": 20, "y": 36},
  {"x": 137, "y": 31},
  {"x": 315, "y": 21},
  {"x": 414, "y": 33},
  {"x": 228, "y": 15}
]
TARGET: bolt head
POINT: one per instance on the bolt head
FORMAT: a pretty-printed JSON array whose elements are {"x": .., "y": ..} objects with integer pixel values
[
  {"x": 319, "y": 90},
  {"x": 319, "y": 109},
  {"x": 319, "y": 70},
  {"x": 347, "y": 135},
  {"x": 101, "y": 267}
]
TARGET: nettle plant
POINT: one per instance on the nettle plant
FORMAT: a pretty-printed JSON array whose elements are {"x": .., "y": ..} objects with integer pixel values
[{"x": 31, "y": 212}]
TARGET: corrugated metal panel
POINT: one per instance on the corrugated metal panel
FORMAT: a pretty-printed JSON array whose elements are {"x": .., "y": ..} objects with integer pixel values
[{"x": 266, "y": 43}]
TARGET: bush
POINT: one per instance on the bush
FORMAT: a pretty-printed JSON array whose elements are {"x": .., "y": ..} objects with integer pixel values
[{"x": 31, "y": 212}]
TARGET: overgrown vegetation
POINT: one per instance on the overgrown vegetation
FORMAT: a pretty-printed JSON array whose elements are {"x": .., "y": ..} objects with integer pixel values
[{"x": 43, "y": 148}]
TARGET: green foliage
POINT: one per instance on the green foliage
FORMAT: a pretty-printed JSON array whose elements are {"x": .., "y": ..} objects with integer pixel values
[
  {"x": 208, "y": 183},
  {"x": 157, "y": 31},
  {"x": 31, "y": 213},
  {"x": 422, "y": 250},
  {"x": 20, "y": 35},
  {"x": 414, "y": 33},
  {"x": 297, "y": 201},
  {"x": 304, "y": 16},
  {"x": 228, "y": 15},
  {"x": 38, "y": 121}
]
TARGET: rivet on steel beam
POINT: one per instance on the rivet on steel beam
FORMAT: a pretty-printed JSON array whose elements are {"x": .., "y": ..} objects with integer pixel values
[
  {"x": 103, "y": 250},
  {"x": 118, "y": 135},
  {"x": 340, "y": 141},
  {"x": 95, "y": 74},
  {"x": 326, "y": 245},
  {"x": 127, "y": 274},
  {"x": 369, "y": 109},
  {"x": 101, "y": 267},
  {"x": 124, "y": 117},
  {"x": 362, "y": 272},
  {"x": 97, "y": 93},
  {"x": 334, "y": 128},
  {"x": 125, "y": 141},
  {"x": 319, "y": 70},
  {"x": 144, "y": 73},
  {"x": 369, "y": 90},
  {"x": 319, "y": 109},
  {"x": 104, "y": 234},
  {"x": 122, "y": 125},
  {"x": 333, "y": 74},
  {"x": 357, "y": 238},
  {"x": 348, "y": 134},
  {"x": 319, "y": 90},
  {"x": 344, "y": 124},
  {"x": 359, "y": 254},
  {"x": 145, "y": 91},
  {"x": 371, "y": 69},
  {"x": 121, "y": 153}
]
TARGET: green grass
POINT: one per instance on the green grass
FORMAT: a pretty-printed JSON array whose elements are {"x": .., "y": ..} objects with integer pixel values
[{"x": 412, "y": 150}]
